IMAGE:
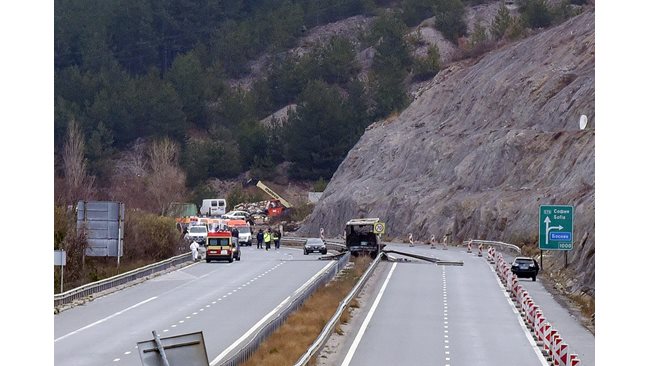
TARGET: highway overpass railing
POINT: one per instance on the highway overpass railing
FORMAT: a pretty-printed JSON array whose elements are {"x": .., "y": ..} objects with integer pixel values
[{"x": 118, "y": 280}]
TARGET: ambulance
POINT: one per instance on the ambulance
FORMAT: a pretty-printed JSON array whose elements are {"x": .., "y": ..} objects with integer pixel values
[{"x": 220, "y": 246}]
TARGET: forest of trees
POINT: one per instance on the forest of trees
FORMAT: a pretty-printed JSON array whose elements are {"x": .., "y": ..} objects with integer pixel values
[{"x": 159, "y": 69}]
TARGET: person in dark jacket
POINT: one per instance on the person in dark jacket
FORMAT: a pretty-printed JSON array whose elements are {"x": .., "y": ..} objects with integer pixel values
[
  {"x": 276, "y": 237},
  {"x": 260, "y": 239}
]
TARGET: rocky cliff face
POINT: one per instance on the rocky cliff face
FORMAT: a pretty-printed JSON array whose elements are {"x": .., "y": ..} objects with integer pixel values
[{"x": 478, "y": 151}]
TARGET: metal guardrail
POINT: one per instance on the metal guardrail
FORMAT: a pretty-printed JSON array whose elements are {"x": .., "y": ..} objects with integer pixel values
[
  {"x": 121, "y": 279},
  {"x": 329, "y": 327},
  {"x": 244, "y": 352},
  {"x": 495, "y": 243}
]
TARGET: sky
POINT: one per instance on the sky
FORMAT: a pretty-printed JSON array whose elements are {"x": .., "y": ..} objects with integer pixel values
[{"x": 26, "y": 70}]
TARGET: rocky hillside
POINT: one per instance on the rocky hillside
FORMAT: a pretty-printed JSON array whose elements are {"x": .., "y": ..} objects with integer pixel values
[{"x": 481, "y": 148}]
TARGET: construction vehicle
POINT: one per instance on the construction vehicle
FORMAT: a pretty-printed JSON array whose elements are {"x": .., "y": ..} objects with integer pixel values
[
  {"x": 276, "y": 207},
  {"x": 363, "y": 236}
]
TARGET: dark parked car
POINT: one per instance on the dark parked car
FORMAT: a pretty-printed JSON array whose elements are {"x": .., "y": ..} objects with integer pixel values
[
  {"x": 525, "y": 267},
  {"x": 315, "y": 245}
]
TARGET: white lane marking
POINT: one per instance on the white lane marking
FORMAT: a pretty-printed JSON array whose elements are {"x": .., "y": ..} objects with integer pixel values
[
  {"x": 173, "y": 325},
  {"x": 540, "y": 357},
  {"x": 105, "y": 319},
  {"x": 261, "y": 322},
  {"x": 165, "y": 330},
  {"x": 249, "y": 332},
  {"x": 115, "y": 360},
  {"x": 366, "y": 321},
  {"x": 127, "y": 352}
]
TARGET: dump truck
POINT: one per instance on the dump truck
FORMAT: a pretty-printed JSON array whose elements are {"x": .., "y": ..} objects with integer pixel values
[{"x": 363, "y": 236}]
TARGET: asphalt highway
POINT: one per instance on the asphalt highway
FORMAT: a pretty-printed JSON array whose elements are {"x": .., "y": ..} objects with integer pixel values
[
  {"x": 223, "y": 300},
  {"x": 420, "y": 313}
]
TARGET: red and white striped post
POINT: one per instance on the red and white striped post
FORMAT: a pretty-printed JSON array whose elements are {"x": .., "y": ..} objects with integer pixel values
[
  {"x": 546, "y": 336},
  {"x": 433, "y": 241},
  {"x": 480, "y": 250},
  {"x": 322, "y": 234},
  {"x": 531, "y": 315},
  {"x": 410, "y": 240},
  {"x": 549, "y": 344},
  {"x": 539, "y": 321},
  {"x": 469, "y": 246},
  {"x": 574, "y": 360},
  {"x": 444, "y": 243},
  {"x": 560, "y": 355}
]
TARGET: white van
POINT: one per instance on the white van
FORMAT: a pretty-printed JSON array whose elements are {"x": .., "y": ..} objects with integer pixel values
[{"x": 213, "y": 207}]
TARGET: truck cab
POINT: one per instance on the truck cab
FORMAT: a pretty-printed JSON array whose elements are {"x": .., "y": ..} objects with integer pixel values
[
  {"x": 361, "y": 238},
  {"x": 221, "y": 246}
]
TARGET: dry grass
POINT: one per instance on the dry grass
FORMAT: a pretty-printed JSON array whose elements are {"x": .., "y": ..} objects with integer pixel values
[{"x": 291, "y": 340}]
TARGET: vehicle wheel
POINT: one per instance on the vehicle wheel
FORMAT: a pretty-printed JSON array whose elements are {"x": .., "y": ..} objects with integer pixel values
[
  {"x": 207, "y": 260},
  {"x": 534, "y": 278},
  {"x": 323, "y": 252},
  {"x": 230, "y": 260},
  {"x": 239, "y": 257}
]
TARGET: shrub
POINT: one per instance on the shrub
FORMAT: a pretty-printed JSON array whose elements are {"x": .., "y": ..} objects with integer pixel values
[
  {"x": 149, "y": 236},
  {"x": 428, "y": 66},
  {"x": 320, "y": 185},
  {"x": 535, "y": 13},
  {"x": 450, "y": 19}
]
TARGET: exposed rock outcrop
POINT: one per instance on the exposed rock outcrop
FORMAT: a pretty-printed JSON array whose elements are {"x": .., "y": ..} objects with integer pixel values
[{"x": 476, "y": 154}]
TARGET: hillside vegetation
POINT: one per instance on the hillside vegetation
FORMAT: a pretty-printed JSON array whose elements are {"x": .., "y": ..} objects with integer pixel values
[{"x": 129, "y": 73}]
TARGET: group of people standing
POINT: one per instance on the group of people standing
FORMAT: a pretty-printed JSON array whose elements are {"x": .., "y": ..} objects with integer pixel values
[{"x": 265, "y": 238}]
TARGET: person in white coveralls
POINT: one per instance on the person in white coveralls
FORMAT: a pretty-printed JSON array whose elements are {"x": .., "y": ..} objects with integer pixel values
[{"x": 195, "y": 250}]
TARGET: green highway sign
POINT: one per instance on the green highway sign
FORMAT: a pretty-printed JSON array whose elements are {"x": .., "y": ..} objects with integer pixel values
[{"x": 555, "y": 227}]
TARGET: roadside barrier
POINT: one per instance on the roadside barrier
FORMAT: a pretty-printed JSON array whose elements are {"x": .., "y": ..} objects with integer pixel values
[
  {"x": 469, "y": 247},
  {"x": 560, "y": 356},
  {"x": 546, "y": 338},
  {"x": 410, "y": 240},
  {"x": 574, "y": 360},
  {"x": 554, "y": 348},
  {"x": 322, "y": 234},
  {"x": 552, "y": 334},
  {"x": 433, "y": 241},
  {"x": 85, "y": 291},
  {"x": 539, "y": 322}
]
